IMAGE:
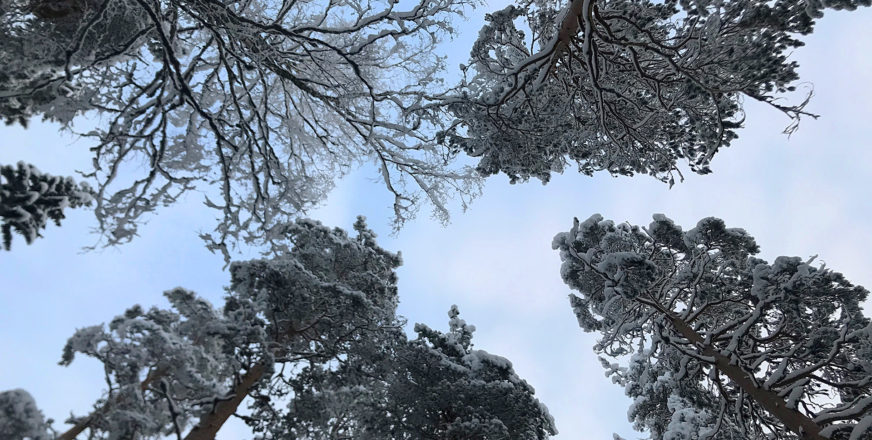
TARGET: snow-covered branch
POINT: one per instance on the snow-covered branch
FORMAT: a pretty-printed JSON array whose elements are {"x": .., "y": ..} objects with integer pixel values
[
  {"x": 261, "y": 105},
  {"x": 754, "y": 349},
  {"x": 625, "y": 86}
]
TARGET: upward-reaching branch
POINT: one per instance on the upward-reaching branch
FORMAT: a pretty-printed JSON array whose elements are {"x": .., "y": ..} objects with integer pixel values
[
  {"x": 87, "y": 422},
  {"x": 767, "y": 399}
]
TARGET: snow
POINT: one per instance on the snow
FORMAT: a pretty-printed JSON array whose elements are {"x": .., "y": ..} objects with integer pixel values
[
  {"x": 20, "y": 419},
  {"x": 863, "y": 430}
]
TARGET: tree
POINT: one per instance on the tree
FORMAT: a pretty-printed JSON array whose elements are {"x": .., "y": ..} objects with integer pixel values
[
  {"x": 260, "y": 104},
  {"x": 30, "y": 198},
  {"x": 20, "y": 418},
  {"x": 625, "y": 86},
  {"x": 715, "y": 343},
  {"x": 326, "y": 306},
  {"x": 433, "y": 387}
]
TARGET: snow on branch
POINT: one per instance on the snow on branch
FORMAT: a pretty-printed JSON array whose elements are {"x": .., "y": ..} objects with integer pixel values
[
  {"x": 30, "y": 198},
  {"x": 260, "y": 105},
  {"x": 306, "y": 345},
  {"x": 625, "y": 86},
  {"x": 715, "y": 342}
]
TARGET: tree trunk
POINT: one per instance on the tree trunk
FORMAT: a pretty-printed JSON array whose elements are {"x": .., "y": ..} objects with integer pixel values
[
  {"x": 568, "y": 28},
  {"x": 210, "y": 423},
  {"x": 77, "y": 429},
  {"x": 792, "y": 419}
]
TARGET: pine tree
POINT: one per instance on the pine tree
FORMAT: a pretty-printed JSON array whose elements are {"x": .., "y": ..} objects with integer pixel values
[
  {"x": 30, "y": 198},
  {"x": 712, "y": 342},
  {"x": 433, "y": 387},
  {"x": 316, "y": 322},
  {"x": 20, "y": 418}
]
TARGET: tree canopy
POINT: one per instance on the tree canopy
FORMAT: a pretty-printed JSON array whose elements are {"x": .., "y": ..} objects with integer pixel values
[
  {"x": 712, "y": 342},
  {"x": 20, "y": 418},
  {"x": 625, "y": 86},
  {"x": 262, "y": 105},
  {"x": 433, "y": 387},
  {"x": 311, "y": 338}
]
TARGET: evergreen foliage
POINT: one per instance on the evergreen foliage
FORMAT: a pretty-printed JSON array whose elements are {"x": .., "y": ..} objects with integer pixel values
[
  {"x": 712, "y": 342},
  {"x": 20, "y": 418},
  {"x": 30, "y": 198},
  {"x": 433, "y": 387}
]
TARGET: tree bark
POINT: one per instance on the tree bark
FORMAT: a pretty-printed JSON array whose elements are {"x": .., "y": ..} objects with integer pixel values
[
  {"x": 792, "y": 419},
  {"x": 77, "y": 429},
  {"x": 210, "y": 423}
]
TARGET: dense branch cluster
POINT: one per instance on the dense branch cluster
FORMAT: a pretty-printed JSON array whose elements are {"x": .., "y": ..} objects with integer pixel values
[
  {"x": 722, "y": 344},
  {"x": 432, "y": 387},
  {"x": 20, "y": 418},
  {"x": 312, "y": 340},
  {"x": 167, "y": 368},
  {"x": 260, "y": 104},
  {"x": 30, "y": 198},
  {"x": 625, "y": 86}
]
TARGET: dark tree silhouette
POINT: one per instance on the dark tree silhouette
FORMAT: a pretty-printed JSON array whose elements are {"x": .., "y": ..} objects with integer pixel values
[{"x": 30, "y": 198}]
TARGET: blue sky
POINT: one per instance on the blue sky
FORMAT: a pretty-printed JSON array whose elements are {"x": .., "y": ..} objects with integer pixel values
[{"x": 807, "y": 195}]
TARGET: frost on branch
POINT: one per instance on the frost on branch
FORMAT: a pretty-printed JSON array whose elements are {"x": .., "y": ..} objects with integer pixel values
[
  {"x": 316, "y": 327},
  {"x": 435, "y": 386},
  {"x": 30, "y": 198},
  {"x": 477, "y": 394},
  {"x": 188, "y": 368},
  {"x": 260, "y": 104},
  {"x": 625, "y": 86},
  {"x": 716, "y": 343},
  {"x": 163, "y": 367},
  {"x": 20, "y": 419}
]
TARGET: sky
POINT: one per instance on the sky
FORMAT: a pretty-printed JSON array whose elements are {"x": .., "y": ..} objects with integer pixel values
[{"x": 810, "y": 194}]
